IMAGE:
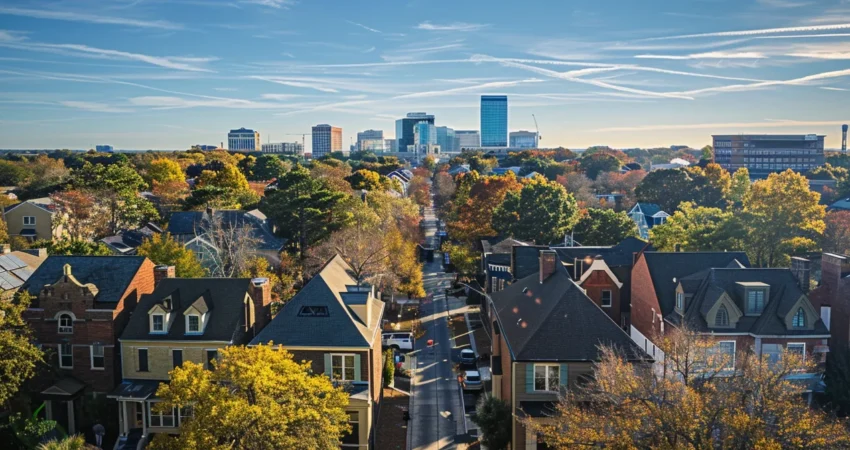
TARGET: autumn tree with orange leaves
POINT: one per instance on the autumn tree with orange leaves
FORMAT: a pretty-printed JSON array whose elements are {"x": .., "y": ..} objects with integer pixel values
[{"x": 474, "y": 217}]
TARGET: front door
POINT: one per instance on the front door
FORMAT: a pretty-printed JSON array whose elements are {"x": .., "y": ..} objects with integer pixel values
[{"x": 138, "y": 414}]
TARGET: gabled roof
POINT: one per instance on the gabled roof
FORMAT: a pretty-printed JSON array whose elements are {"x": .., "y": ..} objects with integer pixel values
[
  {"x": 126, "y": 242},
  {"x": 45, "y": 203},
  {"x": 648, "y": 209},
  {"x": 223, "y": 298},
  {"x": 16, "y": 268},
  {"x": 784, "y": 293},
  {"x": 621, "y": 254},
  {"x": 186, "y": 224},
  {"x": 329, "y": 290},
  {"x": 500, "y": 245},
  {"x": 555, "y": 321},
  {"x": 110, "y": 274},
  {"x": 843, "y": 204},
  {"x": 667, "y": 268}
]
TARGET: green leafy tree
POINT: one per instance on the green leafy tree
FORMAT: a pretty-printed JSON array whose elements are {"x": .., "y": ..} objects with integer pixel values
[
  {"x": 304, "y": 208},
  {"x": 163, "y": 249},
  {"x": 697, "y": 228},
  {"x": 20, "y": 356},
  {"x": 73, "y": 247},
  {"x": 116, "y": 188},
  {"x": 707, "y": 153},
  {"x": 30, "y": 430},
  {"x": 220, "y": 198},
  {"x": 542, "y": 211},
  {"x": 389, "y": 367},
  {"x": 429, "y": 162},
  {"x": 464, "y": 260},
  {"x": 256, "y": 398},
  {"x": 713, "y": 185},
  {"x": 666, "y": 188},
  {"x": 366, "y": 179},
  {"x": 782, "y": 215},
  {"x": 493, "y": 417},
  {"x": 228, "y": 177},
  {"x": 604, "y": 227},
  {"x": 269, "y": 167},
  {"x": 164, "y": 170},
  {"x": 740, "y": 186},
  {"x": 13, "y": 174},
  {"x": 48, "y": 175},
  {"x": 596, "y": 163},
  {"x": 75, "y": 442}
]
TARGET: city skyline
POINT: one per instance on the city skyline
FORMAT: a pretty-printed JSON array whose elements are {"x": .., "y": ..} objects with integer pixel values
[{"x": 165, "y": 75}]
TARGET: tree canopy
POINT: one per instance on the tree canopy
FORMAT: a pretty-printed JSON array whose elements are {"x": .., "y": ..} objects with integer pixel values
[
  {"x": 604, "y": 227},
  {"x": 542, "y": 211},
  {"x": 163, "y": 249},
  {"x": 697, "y": 228},
  {"x": 20, "y": 355}
]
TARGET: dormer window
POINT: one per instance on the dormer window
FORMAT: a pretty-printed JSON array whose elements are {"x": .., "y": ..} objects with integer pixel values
[
  {"x": 755, "y": 301},
  {"x": 157, "y": 323},
  {"x": 799, "y": 320},
  {"x": 193, "y": 323},
  {"x": 721, "y": 318},
  {"x": 66, "y": 324},
  {"x": 680, "y": 301}
]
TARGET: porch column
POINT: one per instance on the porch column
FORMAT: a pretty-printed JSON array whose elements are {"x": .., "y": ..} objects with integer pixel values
[
  {"x": 48, "y": 409},
  {"x": 143, "y": 405},
  {"x": 72, "y": 429},
  {"x": 124, "y": 426}
]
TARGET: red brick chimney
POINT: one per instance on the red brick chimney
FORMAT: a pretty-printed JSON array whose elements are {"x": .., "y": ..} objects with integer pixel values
[
  {"x": 261, "y": 294},
  {"x": 162, "y": 272},
  {"x": 547, "y": 264}
]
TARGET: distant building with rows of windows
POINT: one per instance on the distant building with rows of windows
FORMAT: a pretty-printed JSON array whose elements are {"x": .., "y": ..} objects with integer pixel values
[
  {"x": 243, "y": 140},
  {"x": 762, "y": 154}
]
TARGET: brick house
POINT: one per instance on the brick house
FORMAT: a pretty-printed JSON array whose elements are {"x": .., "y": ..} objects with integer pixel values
[
  {"x": 81, "y": 305},
  {"x": 334, "y": 322},
  {"x": 546, "y": 337},
  {"x": 496, "y": 261},
  {"x": 183, "y": 319},
  {"x": 832, "y": 298}
]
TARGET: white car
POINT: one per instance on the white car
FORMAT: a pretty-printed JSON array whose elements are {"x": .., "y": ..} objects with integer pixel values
[
  {"x": 472, "y": 381},
  {"x": 397, "y": 340}
]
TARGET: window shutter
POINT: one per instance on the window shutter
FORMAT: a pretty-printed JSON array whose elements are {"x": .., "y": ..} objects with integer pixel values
[
  {"x": 565, "y": 377},
  {"x": 529, "y": 378},
  {"x": 328, "y": 368},
  {"x": 357, "y": 367}
]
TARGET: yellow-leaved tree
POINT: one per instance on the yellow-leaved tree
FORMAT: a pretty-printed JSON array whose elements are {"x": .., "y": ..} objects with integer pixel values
[
  {"x": 256, "y": 398},
  {"x": 697, "y": 399}
]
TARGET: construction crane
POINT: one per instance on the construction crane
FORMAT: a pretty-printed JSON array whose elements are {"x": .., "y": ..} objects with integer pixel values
[{"x": 539, "y": 138}]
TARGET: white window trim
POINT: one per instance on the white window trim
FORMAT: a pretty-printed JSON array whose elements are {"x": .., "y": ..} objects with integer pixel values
[
  {"x": 91, "y": 356},
  {"x": 164, "y": 324},
  {"x": 59, "y": 322},
  {"x": 548, "y": 388},
  {"x": 59, "y": 352},
  {"x": 200, "y": 329},
  {"x": 610, "y": 298},
  {"x": 353, "y": 362},
  {"x": 174, "y": 415},
  {"x": 680, "y": 300},
  {"x": 734, "y": 351},
  {"x": 805, "y": 319},
  {"x": 798, "y": 343},
  {"x": 29, "y": 224}
]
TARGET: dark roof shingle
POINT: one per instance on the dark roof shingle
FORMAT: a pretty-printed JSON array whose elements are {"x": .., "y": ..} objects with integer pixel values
[{"x": 111, "y": 274}]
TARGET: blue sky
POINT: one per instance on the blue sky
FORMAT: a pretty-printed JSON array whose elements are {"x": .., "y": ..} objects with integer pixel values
[{"x": 166, "y": 74}]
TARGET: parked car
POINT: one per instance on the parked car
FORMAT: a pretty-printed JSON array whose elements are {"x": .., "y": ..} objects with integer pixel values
[
  {"x": 472, "y": 381},
  {"x": 467, "y": 357},
  {"x": 397, "y": 340}
]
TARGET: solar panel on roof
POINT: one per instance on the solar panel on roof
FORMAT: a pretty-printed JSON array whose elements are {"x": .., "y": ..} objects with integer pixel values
[
  {"x": 11, "y": 280},
  {"x": 16, "y": 261},
  {"x": 6, "y": 264},
  {"x": 23, "y": 273}
]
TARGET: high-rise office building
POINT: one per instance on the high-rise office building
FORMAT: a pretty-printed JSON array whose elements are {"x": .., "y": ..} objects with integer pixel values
[
  {"x": 390, "y": 145},
  {"x": 765, "y": 153},
  {"x": 370, "y": 140},
  {"x": 446, "y": 139},
  {"x": 404, "y": 128},
  {"x": 494, "y": 120},
  {"x": 424, "y": 139},
  {"x": 243, "y": 140},
  {"x": 288, "y": 148},
  {"x": 326, "y": 139},
  {"x": 468, "y": 139},
  {"x": 523, "y": 139}
]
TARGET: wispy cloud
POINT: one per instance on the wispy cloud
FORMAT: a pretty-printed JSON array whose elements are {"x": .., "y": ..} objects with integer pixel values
[
  {"x": 418, "y": 53},
  {"x": 165, "y": 102},
  {"x": 804, "y": 29},
  {"x": 364, "y": 27},
  {"x": 296, "y": 83},
  {"x": 479, "y": 87},
  {"x": 821, "y": 55},
  {"x": 828, "y": 88},
  {"x": 369, "y": 50},
  {"x": 454, "y": 26},
  {"x": 765, "y": 84},
  {"x": 225, "y": 89},
  {"x": 782, "y": 3},
  {"x": 707, "y": 55},
  {"x": 721, "y": 126},
  {"x": 277, "y": 4},
  {"x": 94, "y": 106},
  {"x": 88, "y": 18},
  {"x": 280, "y": 96}
]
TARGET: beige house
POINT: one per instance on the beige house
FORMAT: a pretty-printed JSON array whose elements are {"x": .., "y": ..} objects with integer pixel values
[
  {"x": 181, "y": 320},
  {"x": 33, "y": 219}
]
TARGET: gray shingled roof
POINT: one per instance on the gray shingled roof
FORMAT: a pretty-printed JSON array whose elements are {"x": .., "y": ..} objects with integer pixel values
[
  {"x": 340, "y": 328},
  {"x": 621, "y": 254},
  {"x": 555, "y": 321},
  {"x": 784, "y": 294},
  {"x": 223, "y": 296},
  {"x": 185, "y": 224},
  {"x": 111, "y": 274},
  {"x": 127, "y": 241},
  {"x": 500, "y": 244},
  {"x": 664, "y": 267}
]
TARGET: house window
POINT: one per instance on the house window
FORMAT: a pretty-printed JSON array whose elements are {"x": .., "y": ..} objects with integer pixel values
[
  {"x": 606, "y": 299},
  {"x": 725, "y": 351},
  {"x": 313, "y": 311},
  {"x": 721, "y": 318},
  {"x": 66, "y": 324},
  {"x": 771, "y": 352},
  {"x": 799, "y": 319},
  {"x": 176, "y": 358},
  {"x": 97, "y": 359},
  {"x": 29, "y": 220},
  {"x": 212, "y": 355},
  {"x": 163, "y": 419},
  {"x": 143, "y": 359},
  {"x": 66, "y": 356},
  {"x": 352, "y": 438},
  {"x": 157, "y": 323},
  {"x": 798, "y": 349},
  {"x": 546, "y": 377},
  {"x": 193, "y": 323},
  {"x": 185, "y": 413},
  {"x": 755, "y": 301},
  {"x": 680, "y": 301},
  {"x": 342, "y": 367}
]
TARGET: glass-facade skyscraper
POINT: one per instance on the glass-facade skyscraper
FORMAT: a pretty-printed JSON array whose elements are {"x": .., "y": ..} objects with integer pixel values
[
  {"x": 446, "y": 139},
  {"x": 404, "y": 128},
  {"x": 494, "y": 120}
]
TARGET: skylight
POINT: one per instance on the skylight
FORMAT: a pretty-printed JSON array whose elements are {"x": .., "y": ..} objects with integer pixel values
[{"x": 313, "y": 311}]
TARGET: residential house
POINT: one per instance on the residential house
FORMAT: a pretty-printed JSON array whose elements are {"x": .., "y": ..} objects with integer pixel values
[
  {"x": 194, "y": 229},
  {"x": 126, "y": 242},
  {"x": 334, "y": 322},
  {"x": 463, "y": 168},
  {"x": 546, "y": 337},
  {"x": 612, "y": 200},
  {"x": 80, "y": 306},
  {"x": 832, "y": 298},
  {"x": 16, "y": 268},
  {"x": 504, "y": 170},
  {"x": 403, "y": 176},
  {"x": 33, "y": 219},
  {"x": 656, "y": 276},
  {"x": 840, "y": 205},
  {"x": 183, "y": 319},
  {"x": 646, "y": 216},
  {"x": 496, "y": 261}
]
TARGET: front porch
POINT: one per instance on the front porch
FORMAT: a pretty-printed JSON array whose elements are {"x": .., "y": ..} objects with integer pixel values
[{"x": 137, "y": 422}]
